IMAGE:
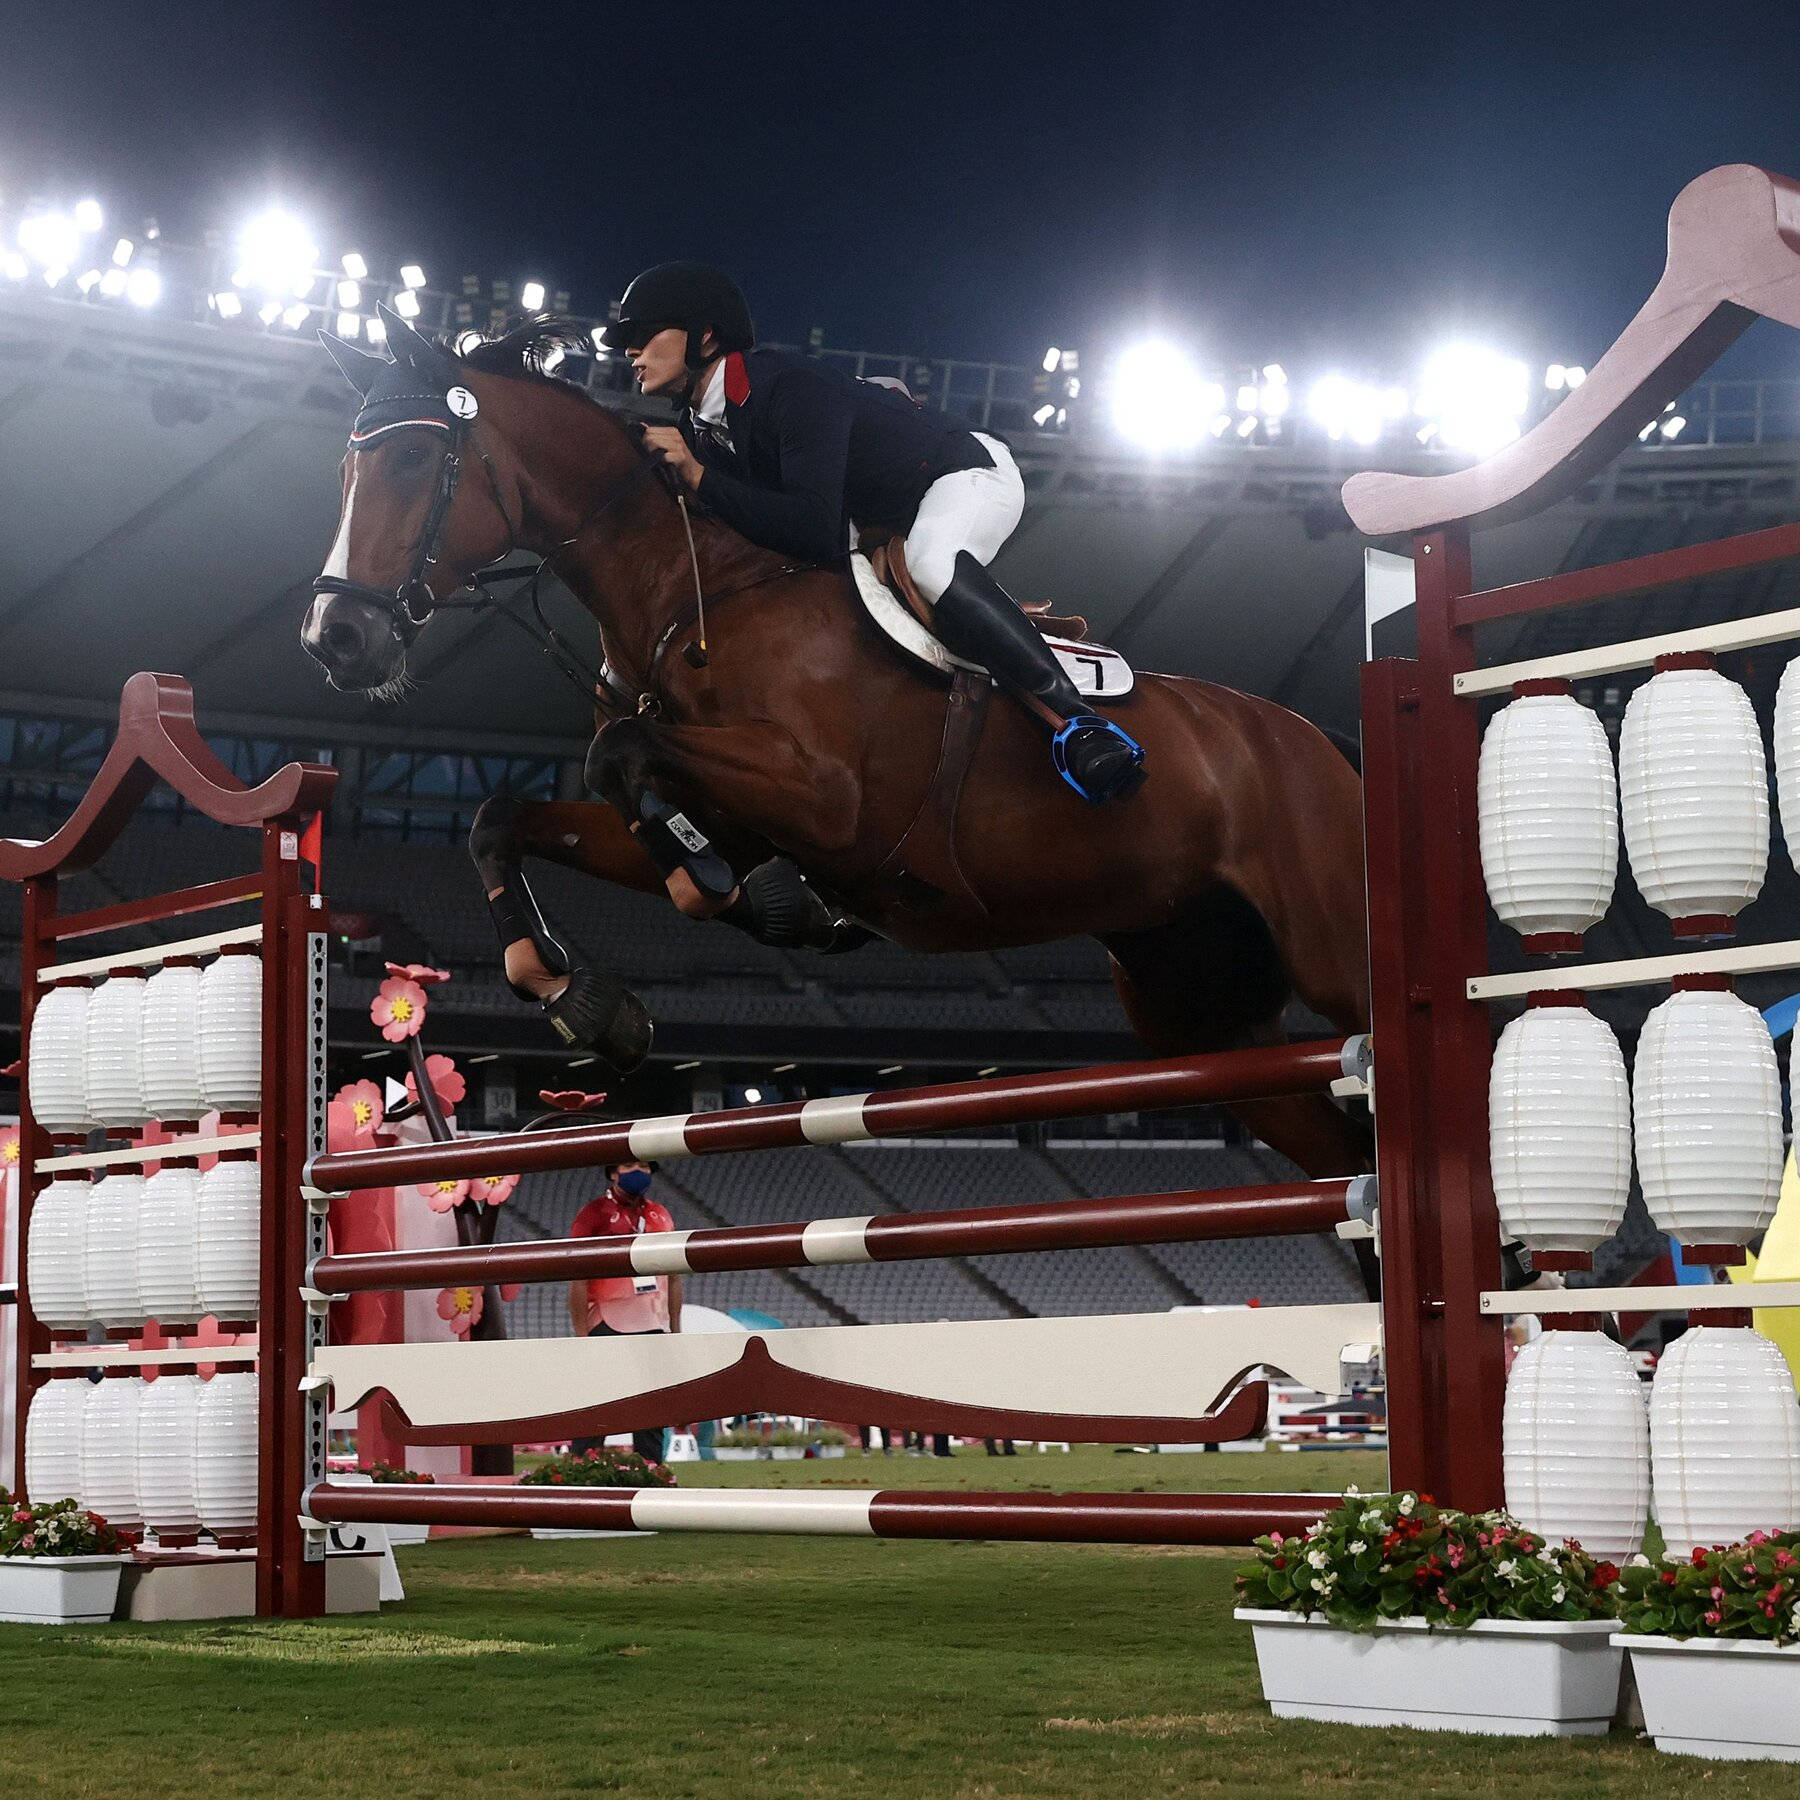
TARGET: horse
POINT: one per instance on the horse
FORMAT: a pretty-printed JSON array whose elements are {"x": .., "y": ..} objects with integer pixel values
[{"x": 1231, "y": 882}]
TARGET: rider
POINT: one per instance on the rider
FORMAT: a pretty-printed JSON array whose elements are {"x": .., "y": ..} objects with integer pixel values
[{"x": 789, "y": 451}]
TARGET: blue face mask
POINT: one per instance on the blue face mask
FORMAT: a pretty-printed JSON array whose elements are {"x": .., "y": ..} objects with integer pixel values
[{"x": 634, "y": 1182}]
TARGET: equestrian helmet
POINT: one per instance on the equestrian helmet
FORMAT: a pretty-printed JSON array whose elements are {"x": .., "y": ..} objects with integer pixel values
[{"x": 687, "y": 294}]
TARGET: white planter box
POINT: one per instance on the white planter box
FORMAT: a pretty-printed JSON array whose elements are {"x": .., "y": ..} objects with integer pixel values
[
  {"x": 1501, "y": 1677},
  {"x": 399, "y": 1536},
  {"x": 59, "y": 1590},
  {"x": 1730, "y": 1698}
]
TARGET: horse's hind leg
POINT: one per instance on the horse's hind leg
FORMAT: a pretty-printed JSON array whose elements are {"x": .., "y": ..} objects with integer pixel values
[
  {"x": 1212, "y": 979},
  {"x": 589, "y": 1008}
]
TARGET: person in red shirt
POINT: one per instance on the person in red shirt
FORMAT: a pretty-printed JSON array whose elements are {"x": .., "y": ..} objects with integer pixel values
[{"x": 624, "y": 1305}]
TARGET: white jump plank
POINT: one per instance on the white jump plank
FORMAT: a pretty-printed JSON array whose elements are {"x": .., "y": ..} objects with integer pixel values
[
  {"x": 1695, "y": 1298},
  {"x": 145, "y": 1153},
  {"x": 105, "y": 1356},
  {"x": 1640, "y": 971},
  {"x": 156, "y": 954},
  {"x": 1634, "y": 653}
]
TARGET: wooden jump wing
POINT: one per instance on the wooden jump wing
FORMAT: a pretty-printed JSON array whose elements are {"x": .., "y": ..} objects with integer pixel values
[
  {"x": 1734, "y": 256},
  {"x": 157, "y": 736}
]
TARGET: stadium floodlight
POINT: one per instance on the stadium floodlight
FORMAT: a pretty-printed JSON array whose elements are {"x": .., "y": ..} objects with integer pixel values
[
  {"x": 1476, "y": 395},
  {"x": 531, "y": 296},
  {"x": 348, "y": 324},
  {"x": 412, "y": 276},
  {"x": 227, "y": 305},
  {"x": 51, "y": 239},
  {"x": 276, "y": 253},
  {"x": 1246, "y": 425},
  {"x": 354, "y": 266},
  {"x": 1556, "y": 378},
  {"x": 269, "y": 311},
  {"x": 1052, "y": 357},
  {"x": 112, "y": 283},
  {"x": 375, "y": 330},
  {"x": 1647, "y": 433},
  {"x": 88, "y": 216},
  {"x": 143, "y": 287},
  {"x": 406, "y": 303},
  {"x": 752, "y": 1096},
  {"x": 1159, "y": 400},
  {"x": 14, "y": 266},
  {"x": 89, "y": 278},
  {"x": 1275, "y": 374},
  {"x": 1347, "y": 409},
  {"x": 54, "y": 274},
  {"x": 1247, "y": 399},
  {"x": 296, "y": 315},
  {"x": 122, "y": 252},
  {"x": 1043, "y": 415},
  {"x": 1575, "y": 375},
  {"x": 349, "y": 293},
  {"x": 1673, "y": 426}
]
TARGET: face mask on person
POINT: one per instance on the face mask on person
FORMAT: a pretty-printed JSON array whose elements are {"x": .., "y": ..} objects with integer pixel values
[{"x": 635, "y": 1182}]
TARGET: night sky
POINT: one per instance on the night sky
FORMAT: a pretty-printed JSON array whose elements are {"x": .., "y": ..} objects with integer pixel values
[{"x": 1328, "y": 185}]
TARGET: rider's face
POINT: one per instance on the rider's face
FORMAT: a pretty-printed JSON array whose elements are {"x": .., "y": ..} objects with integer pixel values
[{"x": 661, "y": 364}]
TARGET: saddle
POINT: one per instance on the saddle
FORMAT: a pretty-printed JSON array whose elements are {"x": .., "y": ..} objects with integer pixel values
[{"x": 903, "y": 615}]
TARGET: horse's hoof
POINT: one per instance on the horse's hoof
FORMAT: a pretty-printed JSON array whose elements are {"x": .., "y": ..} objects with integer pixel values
[{"x": 597, "y": 1012}]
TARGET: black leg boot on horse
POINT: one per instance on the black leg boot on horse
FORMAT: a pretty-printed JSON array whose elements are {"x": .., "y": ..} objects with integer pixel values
[
  {"x": 589, "y": 1009},
  {"x": 977, "y": 619}
]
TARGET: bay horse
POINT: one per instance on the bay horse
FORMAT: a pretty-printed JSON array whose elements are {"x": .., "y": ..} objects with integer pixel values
[{"x": 1231, "y": 881}]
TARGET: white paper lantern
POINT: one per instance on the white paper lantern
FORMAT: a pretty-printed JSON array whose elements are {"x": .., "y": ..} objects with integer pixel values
[
  {"x": 1787, "y": 757},
  {"x": 166, "y": 1455},
  {"x": 56, "y": 1253},
  {"x": 56, "y": 1059},
  {"x": 168, "y": 1265},
  {"x": 231, "y": 1031},
  {"x": 171, "y": 1035},
  {"x": 228, "y": 1236},
  {"x": 109, "y": 1451},
  {"x": 225, "y": 1455},
  {"x": 115, "y": 1050},
  {"x": 53, "y": 1441},
  {"x": 1549, "y": 807},
  {"x": 113, "y": 1296},
  {"x": 1559, "y": 1120},
  {"x": 1694, "y": 793},
  {"x": 1706, "y": 1102},
  {"x": 1724, "y": 1438},
  {"x": 1576, "y": 1443}
]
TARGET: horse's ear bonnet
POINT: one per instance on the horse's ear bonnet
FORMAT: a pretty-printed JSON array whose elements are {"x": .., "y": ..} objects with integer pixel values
[{"x": 409, "y": 390}]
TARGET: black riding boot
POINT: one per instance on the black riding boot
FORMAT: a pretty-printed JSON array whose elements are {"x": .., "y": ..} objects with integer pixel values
[{"x": 977, "y": 619}]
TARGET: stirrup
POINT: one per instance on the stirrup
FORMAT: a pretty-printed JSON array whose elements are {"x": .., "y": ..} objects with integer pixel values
[{"x": 1125, "y": 782}]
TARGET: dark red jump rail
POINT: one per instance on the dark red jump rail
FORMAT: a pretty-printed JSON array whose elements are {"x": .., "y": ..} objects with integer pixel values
[
  {"x": 1265, "y": 1074},
  {"x": 1218, "y": 1519},
  {"x": 1285, "y": 1210}
]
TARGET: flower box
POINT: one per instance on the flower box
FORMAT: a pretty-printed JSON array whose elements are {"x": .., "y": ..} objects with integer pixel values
[
  {"x": 1731, "y": 1698},
  {"x": 59, "y": 1590},
  {"x": 1501, "y": 1677}
]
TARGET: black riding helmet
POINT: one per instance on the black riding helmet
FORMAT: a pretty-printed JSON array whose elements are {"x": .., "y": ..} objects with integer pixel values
[{"x": 688, "y": 294}]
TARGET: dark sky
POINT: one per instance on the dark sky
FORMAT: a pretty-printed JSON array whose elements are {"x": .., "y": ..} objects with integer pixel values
[{"x": 1324, "y": 184}]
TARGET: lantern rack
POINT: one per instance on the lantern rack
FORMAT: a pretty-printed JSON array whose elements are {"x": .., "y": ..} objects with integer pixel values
[
  {"x": 1638, "y": 971},
  {"x": 152, "y": 955},
  {"x": 1724, "y": 1296},
  {"x": 168, "y": 1150}
]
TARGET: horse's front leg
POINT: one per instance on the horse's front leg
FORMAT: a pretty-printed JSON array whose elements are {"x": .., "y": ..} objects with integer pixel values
[{"x": 589, "y": 1008}]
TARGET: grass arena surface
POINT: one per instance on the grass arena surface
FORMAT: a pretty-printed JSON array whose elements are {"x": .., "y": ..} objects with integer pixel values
[{"x": 685, "y": 1664}]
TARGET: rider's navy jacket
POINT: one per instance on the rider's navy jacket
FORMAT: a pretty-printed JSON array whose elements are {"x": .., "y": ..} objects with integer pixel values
[{"x": 812, "y": 448}]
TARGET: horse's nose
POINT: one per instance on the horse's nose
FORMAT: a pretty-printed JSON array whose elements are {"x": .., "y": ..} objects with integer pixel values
[{"x": 334, "y": 634}]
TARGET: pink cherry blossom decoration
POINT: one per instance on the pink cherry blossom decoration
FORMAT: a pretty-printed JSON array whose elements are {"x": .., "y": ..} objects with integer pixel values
[{"x": 399, "y": 1009}]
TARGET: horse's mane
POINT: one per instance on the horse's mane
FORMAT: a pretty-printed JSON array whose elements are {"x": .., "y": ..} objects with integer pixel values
[{"x": 523, "y": 352}]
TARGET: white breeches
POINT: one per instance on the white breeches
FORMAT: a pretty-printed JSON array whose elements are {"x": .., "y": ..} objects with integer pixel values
[{"x": 975, "y": 510}]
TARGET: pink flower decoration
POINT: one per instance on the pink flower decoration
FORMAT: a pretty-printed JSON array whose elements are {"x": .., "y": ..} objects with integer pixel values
[
  {"x": 446, "y": 1083},
  {"x": 441, "y": 1196},
  {"x": 460, "y": 1307},
  {"x": 399, "y": 1009},
  {"x": 511, "y": 1290},
  {"x": 9, "y": 1147},
  {"x": 422, "y": 973},
  {"x": 364, "y": 1101},
  {"x": 493, "y": 1189},
  {"x": 570, "y": 1099}
]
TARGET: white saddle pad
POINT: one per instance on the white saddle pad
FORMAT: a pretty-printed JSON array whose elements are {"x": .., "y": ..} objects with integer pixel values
[{"x": 1098, "y": 673}]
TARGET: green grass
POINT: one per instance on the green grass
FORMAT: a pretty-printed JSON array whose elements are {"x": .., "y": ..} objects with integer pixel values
[{"x": 685, "y": 1665}]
